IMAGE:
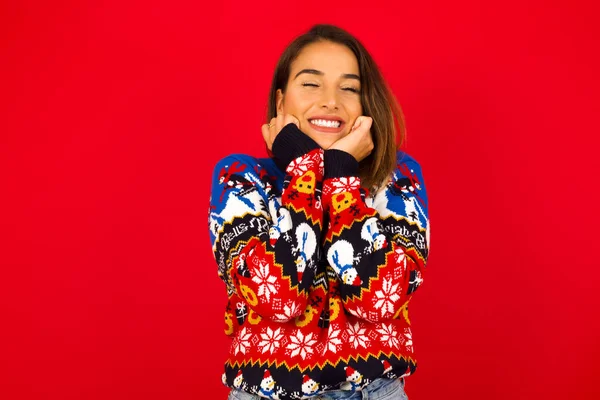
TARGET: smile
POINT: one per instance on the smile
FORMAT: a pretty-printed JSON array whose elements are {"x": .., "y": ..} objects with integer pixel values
[{"x": 325, "y": 123}]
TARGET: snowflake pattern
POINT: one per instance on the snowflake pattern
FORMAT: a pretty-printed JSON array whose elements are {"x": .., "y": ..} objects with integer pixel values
[
  {"x": 357, "y": 335},
  {"x": 270, "y": 340},
  {"x": 333, "y": 341},
  {"x": 304, "y": 163},
  {"x": 359, "y": 312},
  {"x": 407, "y": 339},
  {"x": 290, "y": 310},
  {"x": 400, "y": 256},
  {"x": 389, "y": 336},
  {"x": 264, "y": 280},
  {"x": 400, "y": 264},
  {"x": 345, "y": 184},
  {"x": 242, "y": 342},
  {"x": 386, "y": 297},
  {"x": 301, "y": 345}
]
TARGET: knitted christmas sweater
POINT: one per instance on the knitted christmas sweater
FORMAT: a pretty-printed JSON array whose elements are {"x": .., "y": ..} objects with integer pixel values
[{"x": 318, "y": 272}]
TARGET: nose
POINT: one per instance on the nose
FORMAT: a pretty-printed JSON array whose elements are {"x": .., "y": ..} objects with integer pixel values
[{"x": 329, "y": 99}]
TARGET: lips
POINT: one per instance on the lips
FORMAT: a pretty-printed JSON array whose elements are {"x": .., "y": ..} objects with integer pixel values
[{"x": 327, "y": 129}]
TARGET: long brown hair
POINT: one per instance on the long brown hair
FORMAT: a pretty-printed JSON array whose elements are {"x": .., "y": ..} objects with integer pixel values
[{"x": 378, "y": 102}]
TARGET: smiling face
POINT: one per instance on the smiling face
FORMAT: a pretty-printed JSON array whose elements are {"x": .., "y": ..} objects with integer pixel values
[{"x": 323, "y": 92}]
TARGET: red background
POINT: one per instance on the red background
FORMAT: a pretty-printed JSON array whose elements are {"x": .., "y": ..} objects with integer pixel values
[{"x": 113, "y": 114}]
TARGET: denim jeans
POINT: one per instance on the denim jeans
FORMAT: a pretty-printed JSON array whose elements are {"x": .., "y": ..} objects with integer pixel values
[{"x": 379, "y": 389}]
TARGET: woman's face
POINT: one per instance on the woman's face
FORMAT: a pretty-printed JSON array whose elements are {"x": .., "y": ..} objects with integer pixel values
[{"x": 323, "y": 92}]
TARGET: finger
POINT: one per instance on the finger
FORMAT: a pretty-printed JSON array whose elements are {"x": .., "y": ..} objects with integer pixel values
[
  {"x": 291, "y": 119},
  {"x": 272, "y": 128},
  {"x": 266, "y": 135},
  {"x": 356, "y": 124},
  {"x": 265, "y": 131},
  {"x": 280, "y": 122},
  {"x": 362, "y": 122}
]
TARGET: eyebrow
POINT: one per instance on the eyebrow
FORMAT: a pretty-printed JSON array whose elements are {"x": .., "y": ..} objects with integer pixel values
[{"x": 321, "y": 73}]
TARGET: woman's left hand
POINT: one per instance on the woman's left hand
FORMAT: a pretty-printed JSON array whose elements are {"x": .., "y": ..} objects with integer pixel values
[
  {"x": 271, "y": 130},
  {"x": 359, "y": 142}
]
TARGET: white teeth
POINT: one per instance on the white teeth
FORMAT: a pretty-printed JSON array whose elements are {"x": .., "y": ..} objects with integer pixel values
[{"x": 325, "y": 123}]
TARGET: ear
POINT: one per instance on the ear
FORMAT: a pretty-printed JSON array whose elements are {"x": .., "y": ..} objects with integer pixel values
[{"x": 279, "y": 101}]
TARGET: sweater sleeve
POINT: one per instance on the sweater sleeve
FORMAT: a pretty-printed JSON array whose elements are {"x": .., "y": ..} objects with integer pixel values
[
  {"x": 266, "y": 251},
  {"x": 378, "y": 252}
]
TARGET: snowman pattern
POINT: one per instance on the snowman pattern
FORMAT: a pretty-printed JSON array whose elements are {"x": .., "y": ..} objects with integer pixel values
[
  {"x": 268, "y": 387},
  {"x": 341, "y": 257},
  {"x": 281, "y": 227},
  {"x": 307, "y": 244},
  {"x": 354, "y": 380},
  {"x": 370, "y": 233}
]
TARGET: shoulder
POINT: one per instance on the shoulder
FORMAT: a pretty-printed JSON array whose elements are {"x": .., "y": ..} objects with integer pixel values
[
  {"x": 241, "y": 161},
  {"x": 241, "y": 172},
  {"x": 403, "y": 157},
  {"x": 405, "y": 194},
  {"x": 407, "y": 166},
  {"x": 239, "y": 179},
  {"x": 407, "y": 179},
  {"x": 240, "y": 164},
  {"x": 239, "y": 188}
]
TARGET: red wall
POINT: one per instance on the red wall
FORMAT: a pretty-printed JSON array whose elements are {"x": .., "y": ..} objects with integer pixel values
[{"x": 113, "y": 113}]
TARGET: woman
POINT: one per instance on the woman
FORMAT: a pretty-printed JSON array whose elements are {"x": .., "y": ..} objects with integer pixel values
[{"x": 322, "y": 244}]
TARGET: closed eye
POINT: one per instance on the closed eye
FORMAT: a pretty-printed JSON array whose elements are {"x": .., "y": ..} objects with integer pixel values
[{"x": 348, "y": 89}]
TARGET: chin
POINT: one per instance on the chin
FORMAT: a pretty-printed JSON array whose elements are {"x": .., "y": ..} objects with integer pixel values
[
  {"x": 324, "y": 140},
  {"x": 325, "y": 143}
]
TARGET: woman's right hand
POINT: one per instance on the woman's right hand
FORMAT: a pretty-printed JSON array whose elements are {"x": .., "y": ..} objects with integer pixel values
[{"x": 271, "y": 130}]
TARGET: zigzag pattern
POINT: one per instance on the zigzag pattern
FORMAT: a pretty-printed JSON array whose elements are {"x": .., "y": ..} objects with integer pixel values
[{"x": 266, "y": 363}]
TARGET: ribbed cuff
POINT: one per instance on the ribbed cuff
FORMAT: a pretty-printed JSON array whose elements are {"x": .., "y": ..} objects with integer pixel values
[
  {"x": 289, "y": 144},
  {"x": 339, "y": 163}
]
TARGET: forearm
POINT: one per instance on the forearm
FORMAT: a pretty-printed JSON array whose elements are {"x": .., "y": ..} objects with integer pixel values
[{"x": 379, "y": 270}]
